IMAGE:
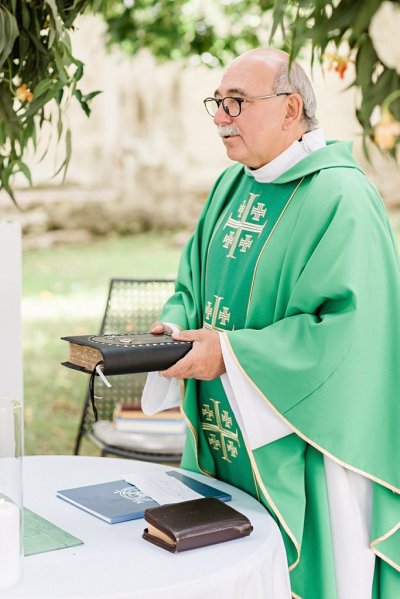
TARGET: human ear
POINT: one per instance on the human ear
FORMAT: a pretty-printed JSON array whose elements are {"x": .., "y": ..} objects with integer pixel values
[{"x": 294, "y": 110}]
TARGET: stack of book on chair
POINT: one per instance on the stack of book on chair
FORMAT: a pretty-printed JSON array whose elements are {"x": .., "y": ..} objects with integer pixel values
[{"x": 131, "y": 419}]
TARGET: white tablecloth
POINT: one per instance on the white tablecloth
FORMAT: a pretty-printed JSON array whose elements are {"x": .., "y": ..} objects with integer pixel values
[{"x": 115, "y": 562}]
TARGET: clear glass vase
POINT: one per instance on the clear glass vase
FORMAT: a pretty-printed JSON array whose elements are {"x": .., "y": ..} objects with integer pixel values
[{"x": 11, "y": 507}]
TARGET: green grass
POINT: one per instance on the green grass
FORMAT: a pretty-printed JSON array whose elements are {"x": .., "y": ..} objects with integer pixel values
[{"x": 64, "y": 293}]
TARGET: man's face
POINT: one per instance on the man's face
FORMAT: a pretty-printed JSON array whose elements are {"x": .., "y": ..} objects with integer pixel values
[{"x": 259, "y": 134}]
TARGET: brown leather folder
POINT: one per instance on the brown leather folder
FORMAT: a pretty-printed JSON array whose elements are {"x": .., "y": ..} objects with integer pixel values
[{"x": 195, "y": 523}]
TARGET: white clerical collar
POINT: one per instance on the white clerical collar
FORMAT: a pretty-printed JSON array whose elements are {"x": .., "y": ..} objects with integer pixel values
[{"x": 310, "y": 142}]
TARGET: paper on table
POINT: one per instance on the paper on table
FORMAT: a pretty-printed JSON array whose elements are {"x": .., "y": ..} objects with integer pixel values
[
  {"x": 161, "y": 487},
  {"x": 40, "y": 535}
]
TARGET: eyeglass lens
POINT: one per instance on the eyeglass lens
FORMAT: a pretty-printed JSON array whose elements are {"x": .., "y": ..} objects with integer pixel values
[{"x": 230, "y": 105}]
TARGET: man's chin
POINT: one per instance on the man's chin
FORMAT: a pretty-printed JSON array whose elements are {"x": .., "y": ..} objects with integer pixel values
[{"x": 232, "y": 148}]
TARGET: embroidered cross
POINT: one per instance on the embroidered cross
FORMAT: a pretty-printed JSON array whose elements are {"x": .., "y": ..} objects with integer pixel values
[
  {"x": 242, "y": 224},
  {"x": 246, "y": 243},
  {"x": 242, "y": 208},
  {"x": 226, "y": 419},
  {"x": 258, "y": 211},
  {"x": 207, "y": 413},
  {"x": 214, "y": 313},
  {"x": 224, "y": 315},
  {"x": 228, "y": 240},
  {"x": 208, "y": 310},
  {"x": 232, "y": 449},
  {"x": 214, "y": 442},
  {"x": 220, "y": 437}
]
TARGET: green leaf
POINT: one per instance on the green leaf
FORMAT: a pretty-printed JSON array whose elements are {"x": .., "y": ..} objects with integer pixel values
[
  {"x": 68, "y": 150},
  {"x": 278, "y": 14},
  {"x": 37, "y": 104},
  {"x": 26, "y": 17},
  {"x": 42, "y": 87},
  {"x": 54, "y": 15},
  {"x": 9, "y": 32},
  {"x": 59, "y": 124},
  {"x": 25, "y": 170},
  {"x": 2, "y": 30},
  {"x": 91, "y": 95},
  {"x": 79, "y": 71},
  {"x": 360, "y": 25},
  {"x": 98, "y": 5},
  {"x": 37, "y": 43},
  {"x": 5, "y": 175},
  {"x": 52, "y": 37},
  {"x": 365, "y": 63}
]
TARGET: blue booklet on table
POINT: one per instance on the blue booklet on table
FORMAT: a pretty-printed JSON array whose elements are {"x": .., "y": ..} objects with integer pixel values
[{"x": 118, "y": 501}]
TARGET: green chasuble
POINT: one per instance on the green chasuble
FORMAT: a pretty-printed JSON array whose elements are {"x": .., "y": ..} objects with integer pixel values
[{"x": 303, "y": 277}]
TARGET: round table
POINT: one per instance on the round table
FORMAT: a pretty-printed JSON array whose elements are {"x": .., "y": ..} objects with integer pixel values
[{"x": 115, "y": 562}]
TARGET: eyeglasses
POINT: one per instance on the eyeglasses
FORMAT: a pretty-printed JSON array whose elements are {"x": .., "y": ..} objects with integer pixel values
[{"x": 233, "y": 105}]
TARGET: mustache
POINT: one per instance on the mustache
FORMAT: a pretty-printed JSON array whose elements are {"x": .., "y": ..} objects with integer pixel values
[{"x": 227, "y": 130}]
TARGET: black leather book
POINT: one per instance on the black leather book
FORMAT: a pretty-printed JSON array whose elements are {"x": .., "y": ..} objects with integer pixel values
[
  {"x": 195, "y": 523},
  {"x": 124, "y": 353}
]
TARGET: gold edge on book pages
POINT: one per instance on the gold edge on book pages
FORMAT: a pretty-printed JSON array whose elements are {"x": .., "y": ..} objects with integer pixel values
[
  {"x": 156, "y": 532},
  {"x": 84, "y": 356}
]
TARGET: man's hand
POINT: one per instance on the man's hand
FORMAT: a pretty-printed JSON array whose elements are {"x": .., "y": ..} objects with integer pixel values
[
  {"x": 160, "y": 328},
  {"x": 204, "y": 361}
]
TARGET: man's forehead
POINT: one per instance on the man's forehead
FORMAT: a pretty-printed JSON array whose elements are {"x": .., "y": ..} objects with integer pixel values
[
  {"x": 246, "y": 77},
  {"x": 231, "y": 91}
]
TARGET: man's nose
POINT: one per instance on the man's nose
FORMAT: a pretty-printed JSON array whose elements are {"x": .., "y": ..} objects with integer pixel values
[{"x": 221, "y": 117}]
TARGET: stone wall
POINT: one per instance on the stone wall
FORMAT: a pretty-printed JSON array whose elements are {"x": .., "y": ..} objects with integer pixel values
[{"x": 149, "y": 153}]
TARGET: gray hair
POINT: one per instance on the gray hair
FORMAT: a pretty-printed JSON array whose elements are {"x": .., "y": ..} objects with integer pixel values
[{"x": 299, "y": 83}]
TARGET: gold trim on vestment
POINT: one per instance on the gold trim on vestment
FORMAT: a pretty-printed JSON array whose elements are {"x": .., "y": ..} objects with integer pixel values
[
  {"x": 221, "y": 217},
  {"x": 267, "y": 240},
  {"x": 192, "y": 430},
  {"x": 253, "y": 471},
  {"x": 274, "y": 507},
  {"x": 386, "y": 559},
  {"x": 383, "y": 538}
]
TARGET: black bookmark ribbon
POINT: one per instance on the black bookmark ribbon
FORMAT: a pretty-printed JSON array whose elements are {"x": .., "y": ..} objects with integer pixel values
[{"x": 91, "y": 390}]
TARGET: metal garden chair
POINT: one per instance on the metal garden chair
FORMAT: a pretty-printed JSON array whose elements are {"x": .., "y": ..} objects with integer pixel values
[{"x": 132, "y": 305}]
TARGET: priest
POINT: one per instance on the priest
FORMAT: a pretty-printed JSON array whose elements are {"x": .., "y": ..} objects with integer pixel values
[{"x": 289, "y": 289}]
